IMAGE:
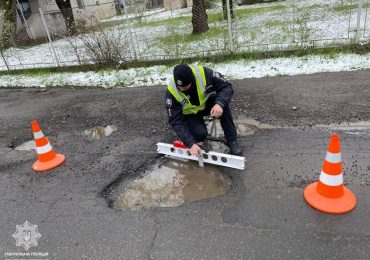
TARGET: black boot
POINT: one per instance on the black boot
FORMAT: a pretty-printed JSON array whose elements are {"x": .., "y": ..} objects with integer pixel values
[{"x": 235, "y": 148}]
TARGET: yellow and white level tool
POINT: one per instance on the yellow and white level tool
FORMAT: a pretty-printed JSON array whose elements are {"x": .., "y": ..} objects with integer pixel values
[{"x": 222, "y": 159}]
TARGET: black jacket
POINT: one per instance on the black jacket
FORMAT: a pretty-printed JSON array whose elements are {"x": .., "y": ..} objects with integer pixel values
[{"x": 215, "y": 82}]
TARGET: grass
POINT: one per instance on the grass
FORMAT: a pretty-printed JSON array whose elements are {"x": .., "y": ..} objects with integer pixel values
[
  {"x": 244, "y": 13},
  {"x": 241, "y": 13},
  {"x": 286, "y": 35},
  {"x": 330, "y": 52},
  {"x": 314, "y": 6},
  {"x": 170, "y": 22},
  {"x": 215, "y": 17},
  {"x": 178, "y": 39},
  {"x": 343, "y": 8},
  {"x": 175, "y": 42},
  {"x": 274, "y": 23},
  {"x": 212, "y": 18}
]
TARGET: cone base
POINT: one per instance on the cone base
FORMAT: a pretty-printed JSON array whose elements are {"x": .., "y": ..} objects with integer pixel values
[
  {"x": 45, "y": 166},
  {"x": 339, "y": 205}
]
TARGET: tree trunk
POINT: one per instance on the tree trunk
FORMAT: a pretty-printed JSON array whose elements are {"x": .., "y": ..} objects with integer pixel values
[
  {"x": 9, "y": 30},
  {"x": 199, "y": 18},
  {"x": 224, "y": 8},
  {"x": 67, "y": 12}
]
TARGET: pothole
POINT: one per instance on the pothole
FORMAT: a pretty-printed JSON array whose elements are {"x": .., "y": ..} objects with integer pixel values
[
  {"x": 214, "y": 146},
  {"x": 171, "y": 184},
  {"x": 244, "y": 127},
  {"x": 30, "y": 145},
  {"x": 356, "y": 133},
  {"x": 254, "y": 124},
  {"x": 100, "y": 131},
  {"x": 27, "y": 146},
  {"x": 361, "y": 125},
  {"x": 39, "y": 91}
]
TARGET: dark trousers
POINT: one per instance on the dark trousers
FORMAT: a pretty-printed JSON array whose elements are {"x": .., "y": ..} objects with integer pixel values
[{"x": 198, "y": 128}]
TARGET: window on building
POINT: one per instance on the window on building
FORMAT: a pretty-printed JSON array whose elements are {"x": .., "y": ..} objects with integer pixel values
[
  {"x": 80, "y": 4},
  {"x": 49, "y": 2},
  {"x": 24, "y": 8}
]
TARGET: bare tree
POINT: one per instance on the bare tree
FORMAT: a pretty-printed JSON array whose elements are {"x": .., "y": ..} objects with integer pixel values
[
  {"x": 67, "y": 12},
  {"x": 101, "y": 45},
  {"x": 199, "y": 18}
]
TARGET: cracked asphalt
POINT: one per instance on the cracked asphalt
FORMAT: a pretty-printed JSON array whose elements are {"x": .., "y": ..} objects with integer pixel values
[{"x": 262, "y": 216}]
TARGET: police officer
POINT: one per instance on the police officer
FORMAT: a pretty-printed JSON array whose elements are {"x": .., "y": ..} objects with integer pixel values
[{"x": 194, "y": 92}]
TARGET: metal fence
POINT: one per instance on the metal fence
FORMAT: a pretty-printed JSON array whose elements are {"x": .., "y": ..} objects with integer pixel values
[{"x": 118, "y": 32}]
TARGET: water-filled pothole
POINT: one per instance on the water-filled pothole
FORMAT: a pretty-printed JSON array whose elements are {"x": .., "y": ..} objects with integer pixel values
[
  {"x": 27, "y": 146},
  {"x": 361, "y": 125},
  {"x": 171, "y": 184},
  {"x": 100, "y": 131},
  {"x": 244, "y": 127},
  {"x": 30, "y": 145}
]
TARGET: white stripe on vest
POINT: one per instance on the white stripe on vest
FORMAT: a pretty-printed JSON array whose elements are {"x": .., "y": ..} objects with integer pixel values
[
  {"x": 200, "y": 79},
  {"x": 173, "y": 86}
]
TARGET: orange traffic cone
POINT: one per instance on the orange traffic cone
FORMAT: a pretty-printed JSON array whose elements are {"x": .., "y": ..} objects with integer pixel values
[
  {"x": 47, "y": 158},
  {"x": 329, "y": 194}
]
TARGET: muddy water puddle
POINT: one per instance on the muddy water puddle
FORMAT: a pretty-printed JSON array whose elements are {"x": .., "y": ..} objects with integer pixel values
[
  {"x": 215, "y": 146},
  {"x": 27, "y": 146},
  {"x": 100, "y": 131},
  {"x": 30, "y": 145},
  {"x": 360, "y": 128},
  {"x": 173, "y": 183},
  {"x": 244, "y": 127}
]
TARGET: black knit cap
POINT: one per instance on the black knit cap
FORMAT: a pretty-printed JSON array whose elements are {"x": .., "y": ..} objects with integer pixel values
[{"x": 182, "y": 74}]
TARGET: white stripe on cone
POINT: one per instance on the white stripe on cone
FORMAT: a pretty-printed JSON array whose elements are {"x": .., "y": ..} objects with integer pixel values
[
  {"x": 331, "y": 180},
  {"x": 333, "y": 157},
  {"x": 38, "y": 135},
  {"x": 44, "y": 149}
]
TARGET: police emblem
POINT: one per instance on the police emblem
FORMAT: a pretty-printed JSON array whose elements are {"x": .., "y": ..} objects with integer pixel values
[
  {"x": 179, "y": 82},
  {"x": 27, "y": 235},
  {"x": 169, "y": 102}
]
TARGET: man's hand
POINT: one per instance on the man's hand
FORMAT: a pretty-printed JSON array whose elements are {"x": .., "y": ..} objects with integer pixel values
[
  {"x": 194, "y": 150},
  {"x": 216, "y": 111}
]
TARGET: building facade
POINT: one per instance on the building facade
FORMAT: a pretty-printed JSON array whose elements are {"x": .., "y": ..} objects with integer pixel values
[{"x": 88, "y": 12}]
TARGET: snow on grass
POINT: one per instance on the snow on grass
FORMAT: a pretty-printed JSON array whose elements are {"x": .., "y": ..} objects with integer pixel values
[
  {"x": 260, "y": 27},
  {"x": 293, "y": 66},
  {"x": 122, "y": 17},
  {"x": 160, "y": 75}
]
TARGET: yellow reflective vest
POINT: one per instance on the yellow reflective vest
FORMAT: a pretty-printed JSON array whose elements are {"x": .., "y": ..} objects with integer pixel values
[{"x": 187, "y": 107}]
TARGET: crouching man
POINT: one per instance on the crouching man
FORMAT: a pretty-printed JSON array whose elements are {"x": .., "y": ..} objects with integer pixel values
[{"x": 195, "y": 92}]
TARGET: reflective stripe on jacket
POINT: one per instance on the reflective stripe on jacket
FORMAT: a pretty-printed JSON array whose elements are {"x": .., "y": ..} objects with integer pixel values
[{"x": 187, "y": 107}]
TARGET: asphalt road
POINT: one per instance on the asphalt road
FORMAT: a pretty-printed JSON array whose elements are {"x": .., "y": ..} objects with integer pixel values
[{"x": 262, "y": 216}]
